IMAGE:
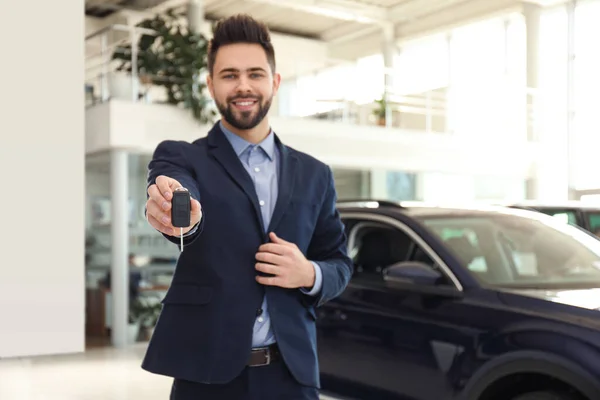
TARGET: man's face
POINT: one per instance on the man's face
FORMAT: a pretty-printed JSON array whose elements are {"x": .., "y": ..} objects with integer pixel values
[{"x": 242, "y": 84}]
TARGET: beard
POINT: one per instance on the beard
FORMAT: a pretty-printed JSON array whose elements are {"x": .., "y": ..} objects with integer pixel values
[{"x": 244, "y": 120}]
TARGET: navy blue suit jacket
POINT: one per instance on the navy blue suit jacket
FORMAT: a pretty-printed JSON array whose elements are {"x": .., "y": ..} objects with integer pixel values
[{"x": 204, "y": 332}]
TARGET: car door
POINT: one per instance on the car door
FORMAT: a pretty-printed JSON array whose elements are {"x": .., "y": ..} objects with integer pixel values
[{"x": 380, "y": 342}]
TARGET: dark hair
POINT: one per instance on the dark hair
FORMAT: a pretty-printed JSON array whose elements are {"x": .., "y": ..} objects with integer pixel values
[{"x": 240, "y": 28}]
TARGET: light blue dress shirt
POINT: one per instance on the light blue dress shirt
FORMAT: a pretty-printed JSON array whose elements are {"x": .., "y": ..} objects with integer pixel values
[{"x": 261, "y": 161}]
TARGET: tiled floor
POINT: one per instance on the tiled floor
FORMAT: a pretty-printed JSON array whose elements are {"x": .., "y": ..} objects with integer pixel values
[
  {"x": 98, "y": 374},
  {"x": 101, "y": 373}
]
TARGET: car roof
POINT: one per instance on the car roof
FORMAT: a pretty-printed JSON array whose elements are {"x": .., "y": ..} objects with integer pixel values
[
  {"x": 424, "y": 209},
  {"x": 571, "y": 204}
]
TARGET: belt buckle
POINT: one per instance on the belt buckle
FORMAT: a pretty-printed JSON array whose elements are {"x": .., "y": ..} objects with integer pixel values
[
  {"x": 267, "y": 356},
  {"x": 267, "y": 353}
]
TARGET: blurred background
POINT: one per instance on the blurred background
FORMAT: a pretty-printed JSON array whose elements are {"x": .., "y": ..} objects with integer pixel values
[
  {"x": 408, "y": 100},
  {"x": 437, "y": 101}
]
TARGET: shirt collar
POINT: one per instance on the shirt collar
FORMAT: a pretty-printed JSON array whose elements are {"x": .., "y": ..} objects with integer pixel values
[{"x": 240, "y": 145}]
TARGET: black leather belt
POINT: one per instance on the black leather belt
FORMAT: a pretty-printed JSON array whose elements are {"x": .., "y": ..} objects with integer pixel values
[{"x": 264, "y": 355}]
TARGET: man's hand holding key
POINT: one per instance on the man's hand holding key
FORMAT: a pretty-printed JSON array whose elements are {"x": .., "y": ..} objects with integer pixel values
[{"x": 158, "y": 206}]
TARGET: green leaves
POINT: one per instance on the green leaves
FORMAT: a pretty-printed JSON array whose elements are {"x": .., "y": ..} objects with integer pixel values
[{"x": 174, "y": 58}]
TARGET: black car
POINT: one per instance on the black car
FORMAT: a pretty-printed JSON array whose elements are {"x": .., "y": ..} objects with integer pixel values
[
  {"x": 471, "y": 304},
  {"x": 586, "y": 216}
]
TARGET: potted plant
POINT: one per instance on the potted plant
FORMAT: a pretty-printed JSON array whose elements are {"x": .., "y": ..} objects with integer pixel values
[
  {"x": 152, "y": 311},
  {"x": 174, "y": 58},
  {"x": 137, "y": 315},
  {"x": 380, "y": 111}
]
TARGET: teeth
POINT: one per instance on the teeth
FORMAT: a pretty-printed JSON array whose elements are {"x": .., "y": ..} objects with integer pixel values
[{"x": 245, "y": 103}]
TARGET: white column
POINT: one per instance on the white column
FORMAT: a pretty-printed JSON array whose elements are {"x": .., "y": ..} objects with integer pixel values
[
  {"x": 450, "y": 125},
  {"x": 365, "y": 184},
  {"x": 571, "y": 156},
  {"x": 378, "y": 178},
  {"x": 195, "y": 15},
  {"x": 420, "y": 179},
  {"x": 379, "y": 184},
  {"x": 551, "y": 178},
  {"x": 119, "y": 175},
  {"x": 506, "y": 47},
  {"x": 137, "y": 185},
  {"x": 531, "y": 13},
  {"x": 532, "y": 23},
  {"x": 389, "y": 51}
]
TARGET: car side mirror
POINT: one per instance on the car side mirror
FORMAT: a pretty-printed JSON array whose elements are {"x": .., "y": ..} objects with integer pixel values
[
  {"x": 413, "y": 272},
  {"x": 417, "y": 277}
]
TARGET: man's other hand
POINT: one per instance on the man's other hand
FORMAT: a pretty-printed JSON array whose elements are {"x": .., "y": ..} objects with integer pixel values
[
  {"x": 286, "y": 262},
  {"x": 158, "y": 206}
]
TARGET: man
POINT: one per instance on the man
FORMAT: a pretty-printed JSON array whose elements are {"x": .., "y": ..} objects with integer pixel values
[{"x": 266, "y": 245}]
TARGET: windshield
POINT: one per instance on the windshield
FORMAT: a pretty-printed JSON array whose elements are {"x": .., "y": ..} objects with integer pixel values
[{"x": 522, "y": 249}]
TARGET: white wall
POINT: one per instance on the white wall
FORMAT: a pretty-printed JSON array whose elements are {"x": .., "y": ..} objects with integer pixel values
[
  {"x": 42, "y": 164},
  {"x": 460, "y": 188}
]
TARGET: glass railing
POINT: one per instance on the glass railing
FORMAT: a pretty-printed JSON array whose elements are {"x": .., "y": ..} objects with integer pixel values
[
  {"x": 103, "y": 81},
  {"x": 422, "y": 111},
  {"x": 501, "y": 108}
]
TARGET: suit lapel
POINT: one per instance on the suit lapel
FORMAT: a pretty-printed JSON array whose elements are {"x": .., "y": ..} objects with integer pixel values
[
  {"x": 287, "y": 175},
  {"x": 222, "y": 151}
]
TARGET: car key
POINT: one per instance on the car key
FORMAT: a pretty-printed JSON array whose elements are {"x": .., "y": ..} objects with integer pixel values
[{"x": 181, "y": 210}]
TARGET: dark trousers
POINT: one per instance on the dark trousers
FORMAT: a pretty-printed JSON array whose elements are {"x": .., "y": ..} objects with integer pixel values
[{"x": 268, "y": 382}]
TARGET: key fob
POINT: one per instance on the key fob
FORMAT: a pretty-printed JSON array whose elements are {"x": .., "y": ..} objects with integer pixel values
[{"x": 181, "y": 209}]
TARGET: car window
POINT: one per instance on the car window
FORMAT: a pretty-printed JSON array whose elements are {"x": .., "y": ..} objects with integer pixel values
[
  {"x": 374, "y": 246},
  {"x": 529, "y": 249},
  {"x": 594, "y": 222},
  {"x": 568, "y": 216},
  {"x": 454, "y": 237}
]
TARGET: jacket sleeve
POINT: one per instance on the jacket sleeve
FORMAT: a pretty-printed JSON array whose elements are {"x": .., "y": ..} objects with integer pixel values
[
  {"x": 169, "y": 159},
  {"x": 328, "y": 248}
]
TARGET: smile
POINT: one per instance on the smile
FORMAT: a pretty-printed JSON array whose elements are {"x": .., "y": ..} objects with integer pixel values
[{"x": 244, "y": 104}]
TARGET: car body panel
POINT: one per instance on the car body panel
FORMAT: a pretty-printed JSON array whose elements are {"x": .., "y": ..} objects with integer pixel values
[{"x": 395, "y": 341}]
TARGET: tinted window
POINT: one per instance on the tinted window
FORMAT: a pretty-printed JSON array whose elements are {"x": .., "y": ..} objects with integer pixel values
[
  {"x": 594, "y": 222},
  {"x": 523, "y": 249},
  {"x": 568, "y": 216},
  {"x": 376, "y": 246},
  {"x": 454, "y": 236}
]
